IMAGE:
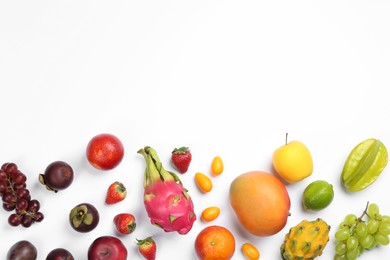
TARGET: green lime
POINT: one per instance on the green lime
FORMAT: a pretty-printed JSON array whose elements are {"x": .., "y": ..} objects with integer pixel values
[{"x": 317, "y": 195}]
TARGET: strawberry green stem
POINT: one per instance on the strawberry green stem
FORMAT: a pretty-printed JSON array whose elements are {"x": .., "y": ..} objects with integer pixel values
[
  {"x": 181, "y": 150},
  {"x": 147, "y": 241},
  {"x": 154, "y": 170}
]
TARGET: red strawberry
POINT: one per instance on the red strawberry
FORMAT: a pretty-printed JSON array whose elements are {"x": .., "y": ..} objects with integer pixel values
[
  {"x": 181, "y": 158},
  {"x": 116, "y": 192},
  {"x": 147, "y": 247},
  {"x": 125, "y": 223}
]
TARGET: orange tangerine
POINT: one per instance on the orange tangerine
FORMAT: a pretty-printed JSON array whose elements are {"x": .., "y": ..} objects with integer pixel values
[{"x": 215, "y": 243}]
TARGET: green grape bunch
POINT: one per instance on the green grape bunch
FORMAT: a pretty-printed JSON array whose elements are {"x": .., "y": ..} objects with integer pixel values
[{"x": 358, "y": 234}]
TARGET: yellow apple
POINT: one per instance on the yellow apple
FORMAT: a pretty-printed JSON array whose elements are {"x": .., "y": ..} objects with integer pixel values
[{"x": 293, "y": 161}]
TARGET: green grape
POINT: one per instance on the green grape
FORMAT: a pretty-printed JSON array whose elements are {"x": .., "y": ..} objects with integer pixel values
[
  {"x": 352, "y": 243},
  {"x": 361, "y": 250},
  {"x": 352, "y": 254},
  {"x": 340, "y": 257},
  {"x": 373, "y": 244},
  {"x": 361, "y": 229},
  {"x": 384, "y": 228},
  {"x": 341, "y": 248},
  {"x": 382, "y": 239},
  {"x": 373, "y": 210},
  {"x": 366, "y": 241},
  {"x": 385, "y": 219},
  {"x": 344, "y": 224},
  {"x": 356, "y": 235},
  {"x": 372, "y": 226},
  {"x": 350, "y": 219},
  {"x": 342, "y": 234}
]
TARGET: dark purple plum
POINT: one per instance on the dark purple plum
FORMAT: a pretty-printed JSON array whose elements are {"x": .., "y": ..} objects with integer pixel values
[
  {"x": 84, "y": 217},
  {"x": 57, "y": 176},
  {"x": 59, "y": 254},
  {"x": 22, "y": 250}
]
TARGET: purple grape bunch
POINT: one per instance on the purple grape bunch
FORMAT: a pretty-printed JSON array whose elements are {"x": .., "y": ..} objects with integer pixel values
[{"x": 16, "y": 197}]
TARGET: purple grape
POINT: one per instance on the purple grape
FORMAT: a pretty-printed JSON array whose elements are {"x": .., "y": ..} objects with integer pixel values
[
  {"x": 9, "y": 197},
  {"x": 3, "y": 187},
  {"x": 4, "y": 166},
  {"x": 9, "y": 207},
  {"x": 11, "y": 168},
  {"x": 23, "y": 193},
  {"x": 33, "y": 206},
  {"x": 20, "y": 186},
  {"x": 19, "y": 178},
  {"x": 14, "y": 219},
  {"x": 26, "y": 221},
  {"x": 20, "y": 212},
  {"x": 22, "y": 204},
  {"x": 3, "y": 175},
  {"x": 16, "y": 196},
  {"x": 38, "y": 217}
]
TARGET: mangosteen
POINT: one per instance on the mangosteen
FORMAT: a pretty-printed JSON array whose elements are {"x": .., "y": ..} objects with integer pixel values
[
  {"x": 59, "y": 254},
  {"x": 84, "y": 217},
  {"x": 57, "y": 176}
]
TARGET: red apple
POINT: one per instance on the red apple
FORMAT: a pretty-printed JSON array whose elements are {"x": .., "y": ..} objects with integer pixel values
[
  {"x": 107, "y": 248},
  {"x": 105, "y": 151}
]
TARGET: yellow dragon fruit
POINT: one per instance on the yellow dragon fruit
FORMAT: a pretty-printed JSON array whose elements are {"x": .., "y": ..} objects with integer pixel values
[
  {"x": 167, "y": 202},
  {"x": 306, "y": 240}
]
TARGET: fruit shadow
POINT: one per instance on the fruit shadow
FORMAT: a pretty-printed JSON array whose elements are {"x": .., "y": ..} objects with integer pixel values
[
  {"x": 83, "y": 165},
  {"x": 273, "y": 172}
]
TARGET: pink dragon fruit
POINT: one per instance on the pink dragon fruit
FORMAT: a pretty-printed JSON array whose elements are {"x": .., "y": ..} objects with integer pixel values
[{"x": 167, "y": 202}]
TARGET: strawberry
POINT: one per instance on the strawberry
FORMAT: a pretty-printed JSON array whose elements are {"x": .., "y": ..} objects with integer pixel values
[
  {"x": 116, "y": 192},
  {"x": 125, "y": 223},
  {"x": 181, "y": 158},
  {"x": 147, "y": 247}
]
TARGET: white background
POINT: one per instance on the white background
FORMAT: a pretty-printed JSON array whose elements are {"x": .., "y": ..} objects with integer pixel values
[{"x": 225, "y": 78}]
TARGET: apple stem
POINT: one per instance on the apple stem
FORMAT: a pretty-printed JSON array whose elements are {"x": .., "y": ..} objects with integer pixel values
[
  {"x": 286, "y": 138},
  {"x": 105, "y": 253}
]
